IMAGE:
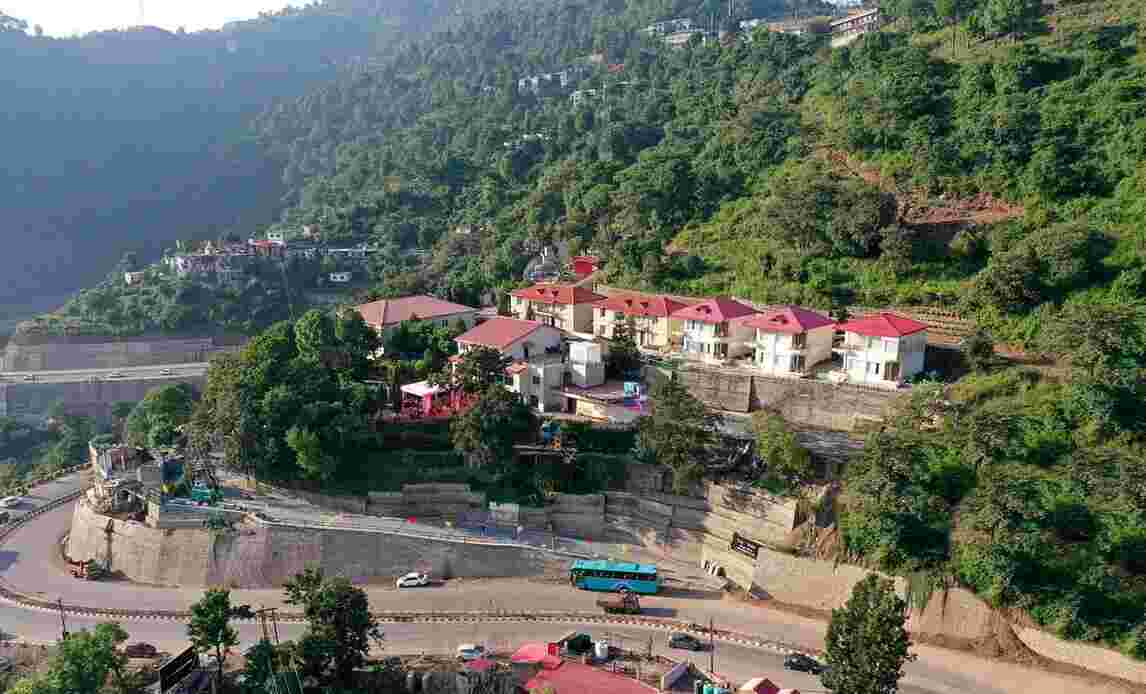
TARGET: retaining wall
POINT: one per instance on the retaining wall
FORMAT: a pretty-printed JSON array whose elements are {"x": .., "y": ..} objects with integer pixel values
[
  {"x": 30, "y": 352},
  {"x": 261, "y": 554}
]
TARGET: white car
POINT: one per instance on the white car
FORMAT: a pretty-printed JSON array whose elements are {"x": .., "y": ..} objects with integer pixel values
[
  {"x": 115, "y": 374},
  {"x": 166, "y": 372},
  {"x": 10, "y": 501},
  {"x": 471, "y": 651},
  {"x": 413, "y": 580}
]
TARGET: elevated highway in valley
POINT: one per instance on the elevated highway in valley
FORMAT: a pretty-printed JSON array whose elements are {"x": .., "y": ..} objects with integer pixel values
[
  {"x": 134, "y": 373},
  {"x": 91, "y": 392},
  {"x": 501, "y": 613}
]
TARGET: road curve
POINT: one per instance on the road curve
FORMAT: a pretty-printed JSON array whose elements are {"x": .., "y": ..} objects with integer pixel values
[{"x": 30, "y": 564}]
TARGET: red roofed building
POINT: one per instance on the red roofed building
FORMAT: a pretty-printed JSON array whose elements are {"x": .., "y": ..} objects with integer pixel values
[
  {"x": 791, "y": 340},
  {"x": 882, "y": 349},
  {"x": 647, "y": 314},
  {"x": 585, "y": 265},
  {"x": 563, "y": 306},
  {"x": 714, "y": 329},
  {"x": 538, "y": 369},
  {"x": 386, "y": 315},
  {"x": 574, "y": 678}
]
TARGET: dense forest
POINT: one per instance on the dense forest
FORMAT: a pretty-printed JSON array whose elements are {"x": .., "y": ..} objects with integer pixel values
[
  {"x": 127, "y": 140},
  {"x": 983, "y": 156}
]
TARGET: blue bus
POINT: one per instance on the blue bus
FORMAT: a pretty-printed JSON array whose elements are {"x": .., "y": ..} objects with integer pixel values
[{"x": 614, "y": 576}]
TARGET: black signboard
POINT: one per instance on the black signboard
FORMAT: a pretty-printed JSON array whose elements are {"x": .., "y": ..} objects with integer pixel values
[
  {"x": 173, "y": 672},
  {"x": 744, "y": 545}
]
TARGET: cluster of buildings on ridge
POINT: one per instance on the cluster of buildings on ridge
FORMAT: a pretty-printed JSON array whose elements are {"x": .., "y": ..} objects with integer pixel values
[
  {"x": 229, "y": 262},
  {"x": 558, "y": 336}
]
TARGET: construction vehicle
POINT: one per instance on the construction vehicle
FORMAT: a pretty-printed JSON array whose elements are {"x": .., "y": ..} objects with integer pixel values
[
  {"x": 626, "y": 602},
  {"x": 89, "y": 570},
  {"x": 205, "y": 495}
]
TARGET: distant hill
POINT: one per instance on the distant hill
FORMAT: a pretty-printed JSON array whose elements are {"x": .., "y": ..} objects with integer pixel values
[{"x": 122, "y": 140}]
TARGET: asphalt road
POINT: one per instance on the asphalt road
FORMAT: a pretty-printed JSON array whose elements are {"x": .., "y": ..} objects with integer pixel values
[
  {"x": 134, "y": 373},
  {"x": 29, "y": 562}
]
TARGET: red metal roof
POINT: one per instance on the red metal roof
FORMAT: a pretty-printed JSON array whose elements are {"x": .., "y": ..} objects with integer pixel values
[
  {"x": 574, "y": 678},
  {"x": 565, "y": 294},
  {"x": 788, "y": 319},
  {"x": 586, "y": 259},
  {"x": 882, "y": 325},
  {"x": 498, "y": 333},
  {"x": 640, "y": 304},
  {"x": 715, "y": 310},
  {"x": 421, "y": 306}
]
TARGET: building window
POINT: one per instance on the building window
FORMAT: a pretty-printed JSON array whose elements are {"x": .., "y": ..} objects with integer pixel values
[
  {"x": 873, "y": 368},
  {"x": 536, "y": 380},
  {"x": 602, "y": 312},
  {"x": 720, "y": 329},
  {"x": 799, "y": 340},
  {"x": 889, "y": 345},
  {"x": 617, "y": 315}
]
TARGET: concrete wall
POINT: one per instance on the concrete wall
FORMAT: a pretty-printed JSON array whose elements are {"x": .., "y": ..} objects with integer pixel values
[
  {"x": 31, "y": 400},
  {"x": 807, "y": 402},
  {"x": 61, "y": 353},
  {"x": 260, "y": 554}
]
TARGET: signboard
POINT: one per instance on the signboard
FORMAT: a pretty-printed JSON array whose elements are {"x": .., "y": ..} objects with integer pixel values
[
  {"x": 176, "y": 669},
  {"x": 744, "y": 545}
]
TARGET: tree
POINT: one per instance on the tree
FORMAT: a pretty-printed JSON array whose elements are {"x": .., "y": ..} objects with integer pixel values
[
  {"x": 978, "y": 350},
  {"x": 488, "y": 430},
  {"x": 679, "y": 432},
  {"x": 154, "y": 421},
  {"x": 210, "y": 626},
  {"x": 624, "y": 356},
  {"x": 1099, "y": 339},
  {"x": 783, "y": 457},
  {"x": 86, "y": 658},
  {"x": 35, "y": 684},
  {"x": 867, "y": 643},
  {"x": 314, "y": 335},
  {"x": 339, "y": 625},
  {"x": 479, "y": 368}
]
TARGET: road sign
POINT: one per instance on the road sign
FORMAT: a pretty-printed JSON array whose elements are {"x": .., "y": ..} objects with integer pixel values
[{"x": 176, "y": 669}]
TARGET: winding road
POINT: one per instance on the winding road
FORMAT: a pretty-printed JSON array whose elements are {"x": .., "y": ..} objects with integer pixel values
[{"x": 30, "y": 564}]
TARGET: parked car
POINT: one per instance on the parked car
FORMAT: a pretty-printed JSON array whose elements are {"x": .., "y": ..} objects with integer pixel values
[
  {"x": 166, "y": 372},
  {"x": 685, "y": 641},
  {"x": 802, "y": 663},
  {"x": 115, "y": 374},
  {"x": 413, "y": 580},
  {"x": 140, "y": 650},
  {"x": 29, "y": 377},
  {"x": 471, "y": 651},
  {"x": 10, "y": 501}
]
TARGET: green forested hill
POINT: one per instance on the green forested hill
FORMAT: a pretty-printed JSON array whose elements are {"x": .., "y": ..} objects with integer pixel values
[
  {"x": 999, "y": 175},
  {"x": 125, "y": 140}
]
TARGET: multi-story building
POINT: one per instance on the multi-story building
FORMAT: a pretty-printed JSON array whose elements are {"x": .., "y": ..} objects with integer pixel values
[
  {"x": 714, "y": 330},
  {"x": 387, "y": 314},
  {"x": 648, "y": 317},
  {"x": 563, "y": 306},
  {"x": 882, "y": 349},
  {"x": 538, "y": 369},
  {"x": 791, "y": 340}
]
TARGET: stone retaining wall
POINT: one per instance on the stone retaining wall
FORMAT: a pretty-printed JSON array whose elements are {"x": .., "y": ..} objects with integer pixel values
[
  {"x": 62, "y": 353},
  {"x": 266, "y": 554}
]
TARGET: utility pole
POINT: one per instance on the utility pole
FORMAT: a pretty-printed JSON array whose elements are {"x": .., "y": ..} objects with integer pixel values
[
  {"x": 711, "y": 649},
  {"x": 63, "y": 624}
]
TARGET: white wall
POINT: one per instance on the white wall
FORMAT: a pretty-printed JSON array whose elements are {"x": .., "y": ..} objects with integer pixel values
[
  {"x": 739, "y": 339},
  {"x": 908, "y": 351},
  {"x": 818, "y": 348}
]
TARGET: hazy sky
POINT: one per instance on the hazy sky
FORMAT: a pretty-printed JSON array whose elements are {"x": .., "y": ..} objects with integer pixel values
[{"x": 65, "y": 17}]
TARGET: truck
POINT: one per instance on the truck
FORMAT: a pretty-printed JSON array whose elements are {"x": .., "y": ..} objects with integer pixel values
[
  {"x": 625, "y": 602},
  {"x": 89, "y": 570}
]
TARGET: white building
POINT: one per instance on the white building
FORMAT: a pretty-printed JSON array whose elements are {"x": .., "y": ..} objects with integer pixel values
[
  {"x": 538, "y": 369},
  {"x": 714, "y": 330},
  {"x": 882, "y": 349},
  {"x": 277, "y": 237},
  {"x": 341, "y": 277},
  {"x": 132, "y": 278},
  {"x": 791, "y": 340}
]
